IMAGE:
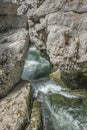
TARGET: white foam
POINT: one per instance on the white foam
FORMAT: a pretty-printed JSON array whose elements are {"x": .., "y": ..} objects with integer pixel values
[
  {"x": 66, "y": 94},
  {"x": 33, "y": 48},
  {"x": 46, "y": 88},
  {"x": 62, "y": 118}
]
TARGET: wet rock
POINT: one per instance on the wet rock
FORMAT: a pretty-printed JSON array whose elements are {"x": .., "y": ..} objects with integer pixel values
[
  {"x": 56, "y": 76},
  {"x": 14, "y": 108},
  {"x": 13, "y": 47},
  {"x": 46, "y": 119},
  {"x": 64, "y": 99},
  {"x": 35, "y": 122}
]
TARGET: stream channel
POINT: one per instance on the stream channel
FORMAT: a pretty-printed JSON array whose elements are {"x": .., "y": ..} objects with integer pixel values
[{"x": 61, "y": 109}]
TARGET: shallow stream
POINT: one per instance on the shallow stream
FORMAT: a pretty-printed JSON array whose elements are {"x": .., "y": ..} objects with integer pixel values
[{"x": 61, "y": 109}]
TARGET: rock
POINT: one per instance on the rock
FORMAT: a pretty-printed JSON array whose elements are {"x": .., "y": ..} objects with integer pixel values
[
  {"x": 13, "y": 49},
  {"x": 44, "y": 9},
  {"x": 64, "y": 99},
  {"x": 10, "y": 22},
  {"x": 79, "y": 6},
  {"x": 35, "y": 122},
  {"x": 56, "y": 76},
  {"x": 46, "y": 118},
  {"x": 8, "y": 15},
  {"x": 22, "y": 9},
  {"x": 8, "y": 7},
  {"x": 60, "y": 28},
  {"x": 14, "y": 108}
]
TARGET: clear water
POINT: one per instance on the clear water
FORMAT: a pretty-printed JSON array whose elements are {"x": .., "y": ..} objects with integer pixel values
[
  {"x": 55, "y": 117},
  {"x": 35, "y": 66},
  {"x": 63, "y": 118},
  {"x": 67, "y": 119}
]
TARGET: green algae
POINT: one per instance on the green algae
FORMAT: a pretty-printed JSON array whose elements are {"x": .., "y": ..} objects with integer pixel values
[{"x": 60, "y": 101}]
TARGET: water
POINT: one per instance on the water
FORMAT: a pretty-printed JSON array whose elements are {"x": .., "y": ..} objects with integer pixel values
[
  {"x": 65, "y": 110},
  {"x": 61, "y": 109},
  {"x": 35, "y": 65},
  {"x": 67, "y": 119}
]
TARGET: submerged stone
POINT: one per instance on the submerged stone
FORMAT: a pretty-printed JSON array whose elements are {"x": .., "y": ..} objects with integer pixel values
[
  {"x": 46, "y": 118},
  {"x": 64, "y": 100}
]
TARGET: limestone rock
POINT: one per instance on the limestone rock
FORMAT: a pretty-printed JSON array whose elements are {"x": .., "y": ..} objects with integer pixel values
[
  {"x": 14, "y": 108},
  {"x": 22, "y": 9},
  {"x": 56, "y": 76},
  {"x": 8, "y": 7},
  {"x": 60, "y": 28},
  {"x": 10, "y": 22},
  {"x": 35, "y": 122},
  {"x": 13, "y": 48}
]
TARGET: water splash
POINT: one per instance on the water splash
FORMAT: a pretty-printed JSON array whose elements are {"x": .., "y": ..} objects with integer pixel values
[
  {"x": 35, "y": 66},
  {"x": 62, "y": 119}
]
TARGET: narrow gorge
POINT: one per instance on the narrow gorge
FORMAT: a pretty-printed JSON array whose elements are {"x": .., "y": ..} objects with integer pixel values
[{"x": 43, "y": 64}]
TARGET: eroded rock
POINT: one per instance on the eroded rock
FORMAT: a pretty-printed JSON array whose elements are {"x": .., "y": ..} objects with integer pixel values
[
  {"x": 13, "y": 48},
  {"x": 14, "y": 108},
  {"x": 60, "y": 28},
  {"x": 35, "y": 122},
  {"x": 8, "y": 7}
]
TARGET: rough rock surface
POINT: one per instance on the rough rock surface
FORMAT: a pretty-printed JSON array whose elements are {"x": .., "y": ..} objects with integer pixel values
[
  {"x": 35, "y": 122},
  {"x": 14, "y": 41},
  {"x": 14, "y": 108},
  {"x": 8, "y": 7},
  {"x": 13, "y": 47},
  {"x": 60, "y": 28}
]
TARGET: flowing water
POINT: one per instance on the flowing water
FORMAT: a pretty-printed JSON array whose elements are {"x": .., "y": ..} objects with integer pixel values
[{"x": 61, "y": 109}]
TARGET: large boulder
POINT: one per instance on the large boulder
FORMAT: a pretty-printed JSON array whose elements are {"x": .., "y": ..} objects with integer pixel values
[
  {"x": 60, "y": 28},
  {"x": 14, "y": 108},
  {"x": 13, "y": 48},
  {"x": 14, "y": 41}
]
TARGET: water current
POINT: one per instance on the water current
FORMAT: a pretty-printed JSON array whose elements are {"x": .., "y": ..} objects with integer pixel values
[{"x": 62, "y": 109}]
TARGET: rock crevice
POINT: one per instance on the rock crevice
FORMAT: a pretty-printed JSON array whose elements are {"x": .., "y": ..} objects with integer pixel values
[{"x": 65, "y": 25}]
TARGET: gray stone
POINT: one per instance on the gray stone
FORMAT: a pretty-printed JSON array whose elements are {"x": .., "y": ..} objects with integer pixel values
[
  {"x": 13, "y": 48},
  {"x": 9, "y": 22},
  {"x": 14, "y": 108},
  {"x": 35, "y": 122},
  {"x": 22, "y": 9},
  {"x": 59, "y": 28},
  {"x": 8, "y": 7}
]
